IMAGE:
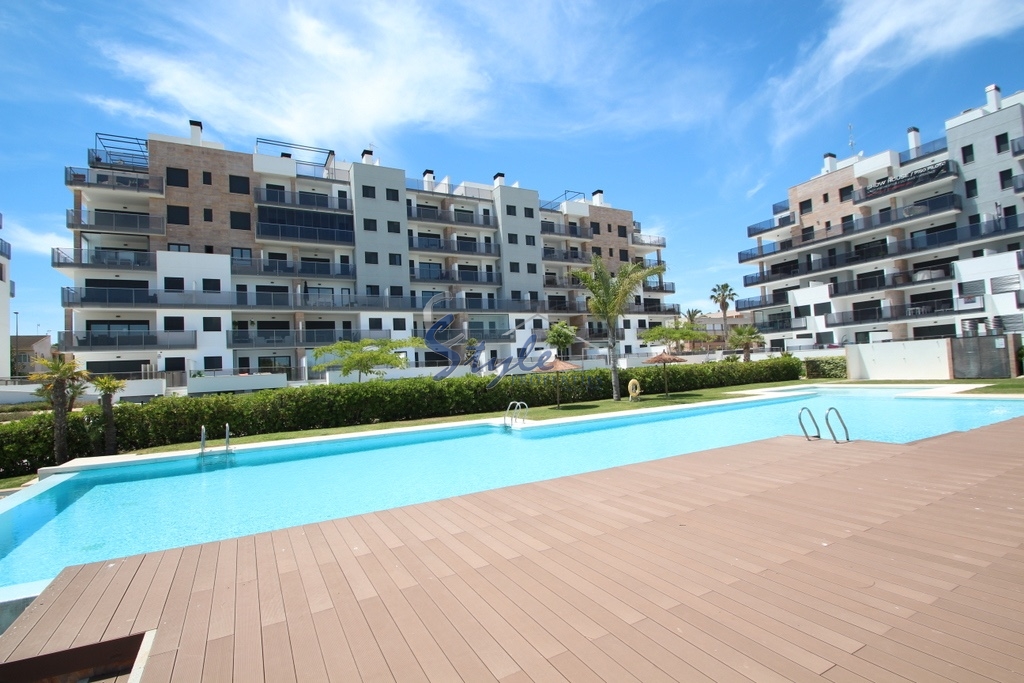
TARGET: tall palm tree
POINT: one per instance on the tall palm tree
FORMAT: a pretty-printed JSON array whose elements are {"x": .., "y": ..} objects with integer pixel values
[
  {"x": 722, "y": 294},
  {"x": 609, "y": 297},
  {"x": 744, "y": 337},
  {"x": 58, "y": 378},
  {"x": 691, "y": 315},
  {"x": 108, "y": 386}
]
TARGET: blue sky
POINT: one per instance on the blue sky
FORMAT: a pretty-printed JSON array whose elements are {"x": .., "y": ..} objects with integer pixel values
[{"x": 698, "y": 116}]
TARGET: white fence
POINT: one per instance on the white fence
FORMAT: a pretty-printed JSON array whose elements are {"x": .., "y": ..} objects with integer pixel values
[{"x": 924, "y": 359}]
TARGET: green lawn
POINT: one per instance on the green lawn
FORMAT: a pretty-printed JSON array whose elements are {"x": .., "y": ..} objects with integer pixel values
[
  {"x": 15, "y": 482},
  {"x": 994, "y": 386}
]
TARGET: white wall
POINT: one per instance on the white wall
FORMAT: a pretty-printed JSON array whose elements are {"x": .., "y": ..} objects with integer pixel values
[{"x": 910, "y": 360}]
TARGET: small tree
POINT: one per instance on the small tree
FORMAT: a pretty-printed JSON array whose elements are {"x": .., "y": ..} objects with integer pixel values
[
  {"x": 366, "y": 356},
  {"x": 108, "y": 386},
  {"x": 744, "y": 337},
  {"x": 722, "y": 294},
  {"x": 674, "y": 335},
  {"x": 59, "y": 379},
  {"x": 561, "y": 335}
]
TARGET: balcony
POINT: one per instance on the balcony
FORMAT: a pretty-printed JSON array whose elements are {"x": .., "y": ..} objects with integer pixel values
[
  {"x": 284, "y": 339},
  {"x": 891, "y": 281},
  {"x": 1017, "y": 147},
  {"x": 640, "y": 240},
  {"x": 273, "y": 267},
  {"x": 431, "y": 215},
  {"x": 304, "y": 234},
  {"x": 648, "y": 262},
  {"x": 103, "y": 297},
  {"x": 304, "y": 200},
  {"x": 780, "y": 207},
  {"x": 770, "y": 224},
  {"x": 655, "y": 286},
  {"x": 653, "y": 307},
  {"x": 109, "y": 259},
  {"x": 918, "y": 178},
  {"x": 924, "y": 209},
  {"x": 926, "y": 150},
  {"x": 778, "y": 299},
  {"x": 1018, "y": 183},
  {"x": 601, "y": 334},
  {"x": 112, "y": 221},
  {"x": 784, "y": 325},
  {"x": 577, "y": 231},
  {"x": 925, "y": 309},
  {"x": 5, "y": 250},
  {"x": 145, "y": 340},
  {"x": 453, "y": 246},
  {"x": 419, "y": 185},
  {"x": 113, "y": 180},
  {"x": 468, "y": 276},
  {"x": 569, "y": 256},
  {"x": 559, "y": 282}
]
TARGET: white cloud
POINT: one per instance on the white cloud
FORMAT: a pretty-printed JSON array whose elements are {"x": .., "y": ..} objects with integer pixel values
[
  {"x": 135, "y": 111},
  {"x": 36, "y": 241},
  {"x": 755, "y": 189},
  {"x": 870, "y": 43}
]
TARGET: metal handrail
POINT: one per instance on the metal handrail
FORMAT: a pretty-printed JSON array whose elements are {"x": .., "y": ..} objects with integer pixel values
[
  {"x": 828, "y": 424},
  {"x": 515, "y": 407},
  {"x": 800, "y": 418}
]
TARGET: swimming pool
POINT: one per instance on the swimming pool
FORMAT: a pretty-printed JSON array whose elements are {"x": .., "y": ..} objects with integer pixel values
[{"x": 112, "y": 512}]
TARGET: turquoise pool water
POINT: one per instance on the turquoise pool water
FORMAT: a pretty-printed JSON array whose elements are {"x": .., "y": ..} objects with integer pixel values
[{"x": 90, "y": 516}]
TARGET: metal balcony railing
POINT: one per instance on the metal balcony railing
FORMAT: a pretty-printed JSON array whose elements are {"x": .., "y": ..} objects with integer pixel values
[
  {"x": 565, "y": 255},
  {"x": 922, "y": 176},
  {"x": 112, "y": 259},
  {"x": 430, "y": 214},
  {"x": 436, "y": 275},
  {"x": 553, "y": 228},
  {"x": 304, "y": 200},
  {"x": 257, "y": 339},
  {"x": 145, "y": 340},
  {"x": 113, "y": 180},
  {"x": 781, "y": 325},
  {"x": 641, "y": 240},
  {"x": 5, "y": 249},
  {"x": 770, "y": 224},
  {"x": 308, "y": 169},
  {"x": 449, "y": 189},
  {"x": 778, "y": 299},
  {"x": 891, "y": 281},
  {"x": 780, "y": 207},
  {"x": 653, "y": 307},
  {"x": 301, "y": 233},
  {"x": 118, "y": 160},
  {"x": 926, "y": 150},
  {"x": 655, "y": 286},
  {"x": 112, "y": 221},
  {"x": 551, "y": 280},
  {"x": 251, "y": 266},
  {"x": 925, "y": 309},
  {"x": 459, "y": 246}
]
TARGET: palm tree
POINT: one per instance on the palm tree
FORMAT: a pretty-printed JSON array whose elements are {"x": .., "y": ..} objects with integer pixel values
[
  {"x": 58, "y": 379},
  {"x": 108, "y": 386},
  {"x": 692, "y": 314},
  {"x": 722, "y": 294},
  {"x": 609, "y": 298},
  {"x": 744, "y": 337}
]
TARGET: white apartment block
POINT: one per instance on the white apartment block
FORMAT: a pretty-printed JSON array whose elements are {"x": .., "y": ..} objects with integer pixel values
[
  {"x": 899, "y": 245},
  {"x": 192, "y": 260}
]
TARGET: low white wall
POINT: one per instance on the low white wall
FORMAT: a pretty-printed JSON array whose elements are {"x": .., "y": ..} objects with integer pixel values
[
  {"x": 909, "y": 360},
  {"x": 144, "y": 387},
  {"x": 217, "y": 383}
]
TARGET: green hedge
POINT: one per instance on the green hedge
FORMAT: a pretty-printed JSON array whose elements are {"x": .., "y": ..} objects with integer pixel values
[
  {"x": 831, "y": 367},
  {"x": 27, "y": 445}
]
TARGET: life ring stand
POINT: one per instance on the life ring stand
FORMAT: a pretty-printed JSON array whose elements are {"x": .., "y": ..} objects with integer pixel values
[{"x": 634, "y": 389}]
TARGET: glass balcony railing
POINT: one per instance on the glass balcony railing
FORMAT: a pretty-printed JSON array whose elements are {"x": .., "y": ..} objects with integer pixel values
[
  {"x": 112, "y": 259},
  {"x": 74, "y": 341},
  {"x": 302, "y": 233},
  {"x": 552, "y": 228},
  {"x": 113, "y": 221},
  {"x": 433, "y": 215},
  {"x": 781, "y": 325},
  {"x": 305, "y": 200},
  {"x": 926, "y": 150},
  {"x": 780, "y": 207},
  {"x": 777, "y": 299},
  {"x": 456, "y": 245},
  {"x": 5, "y": 251},
  {"x": 922, "y": 176},
  {"x": 891, "y": 281},
  {"x": 655, "y": 286},
  {"x": 569, "y": 256},
  {"x": 770, "y": 224},
  {"x": 1017, "y": 146},
  {"x": 925, "y": 309},
  {"x": 441, "y": 275},
  {"x": 253, "y": 266},
  {"x": 113, "y": 180},
  {"x": 641, "y": 240},
  {"x": 451, "y": 189},
  {"x": 259, "y": 339},
  {"x": 1018, "y": 183}
]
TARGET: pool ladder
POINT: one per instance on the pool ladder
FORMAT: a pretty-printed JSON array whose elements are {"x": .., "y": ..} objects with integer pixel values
[
  {"x": 828, "y": 424},
  {"x": 517, "y": 410},
  {"x": 227, "y": 440}
]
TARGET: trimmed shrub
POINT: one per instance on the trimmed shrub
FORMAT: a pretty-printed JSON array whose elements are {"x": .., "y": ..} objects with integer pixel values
[{"x": 831, "y": 367}]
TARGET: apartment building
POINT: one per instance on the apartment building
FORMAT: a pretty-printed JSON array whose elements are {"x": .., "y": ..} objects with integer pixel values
[
  {"x": 6, "y": 294},
  {"x": 915, "y": 244},
  {"x": 190, "y": 259}
]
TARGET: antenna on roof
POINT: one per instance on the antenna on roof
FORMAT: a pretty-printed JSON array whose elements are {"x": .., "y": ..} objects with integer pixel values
[{"x": 852, "y": 143}]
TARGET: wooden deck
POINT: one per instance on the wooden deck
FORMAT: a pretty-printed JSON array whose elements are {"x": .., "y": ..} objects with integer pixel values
[{"x": 781, "y": 560}]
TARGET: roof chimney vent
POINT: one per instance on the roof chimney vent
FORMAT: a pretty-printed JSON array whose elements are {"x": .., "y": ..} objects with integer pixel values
[
  {"x": 367, "y": 156},
  {"x": 597, "y": 197},
  {"x": 499, "y": 179},
  {"x": 428, "y": 180},
  {"x": 830, "y": 163},
  {"x": 913, "y": 140},
  {"x": 994, "y": 98},
  {"x": 197, "y": 132}
]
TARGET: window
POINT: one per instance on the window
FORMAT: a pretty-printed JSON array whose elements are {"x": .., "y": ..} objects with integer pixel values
[
  {"x": 805, "y": 207},
  {"x": 238, "y": 184},
  {"x": 538, "y": 324},
  {"x": 174, "y": 323},
  {"x": 211, "y": 284},
  {"x": 527, "y": 212},
  {"x": 370, "y": 257},
  {"x": 531, "y": 268},
  {"x": 626, "y": 322},
  {"x": 176, "y": 177},
  {"x": 369, "y": 191},
  {"x": 208, "y": 249},
  {"x": 534, "y": 296},
  {"x": 629, "y": 348},
  {"x": 177, "y": 247},
  {"x": 174, "y": 284},
  {"x": 370, "y": 224},
  {"x": 510, "y": 210},
  {"x": 513, "y": 267},
  {"x": 623, "y": 254},
  {"x": 824, "y": 198},
  {"x": 176, "y": 364},
  {"x": 1006, "y": 179},
  {"x": 207, "y": 178},
  {"x": 513, "y": 238},
  {"x": 596, "y": 251},
  {"x": 394, "y": 259},
  {"x": 372, "y": 290},
  {"x": 611, "y": 252},
  {"x": 974, "y": 219},
  {"x": 391, "y": 194},
  {"x": 977, "y": 253},
  {"x": 395, "y": 227},
  {"x": 375, "y": 323},
  {"x": 241, "y": 220},
  {"x": 211, "y": 324},
  {"x": 641, "y": 324},
  {"x": 517, "y": 295},
  {"x": 208, "y": 215},
  {"x": 967, "y": 154},
  {"x": 395, "y": 290},
  {"x": 1002, "y": 143},
  {"x": 846, "y": 193},
  {"x": 177, "y": 215},
  {"x": 622, "y": 231},
  {"x": 595, "y": 227},
  {"x": 213, "y": 363},
  {"x": 520, "y": 323},
  {"x": 241, "y": 253},
  {"x": 971, "y": 188},
  {"x": 398, "y": 324},
  {"x": 823, "y": 308}
]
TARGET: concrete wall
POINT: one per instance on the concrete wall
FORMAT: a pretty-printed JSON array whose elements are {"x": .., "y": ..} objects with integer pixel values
[{"x": 911, "y": 360}]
